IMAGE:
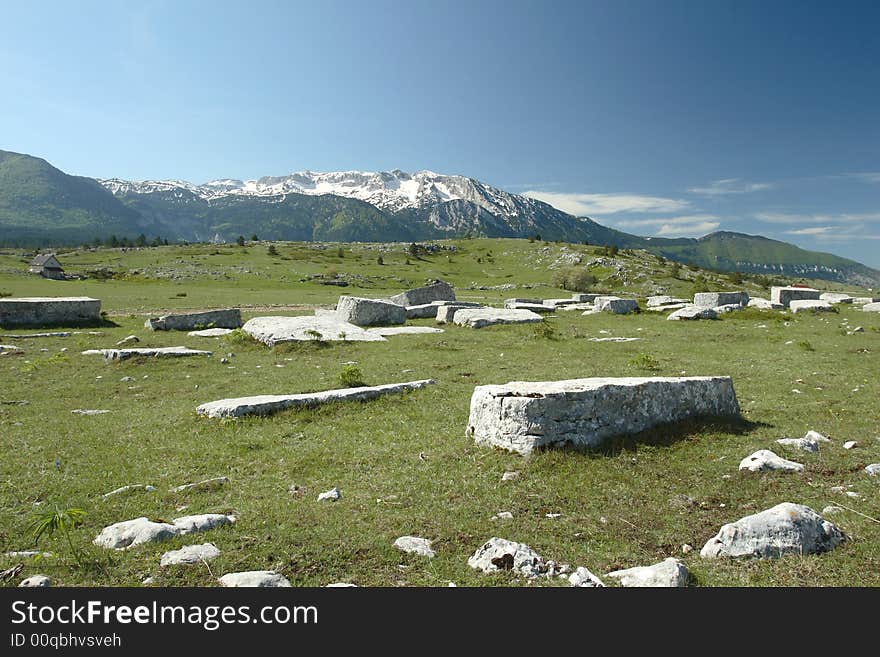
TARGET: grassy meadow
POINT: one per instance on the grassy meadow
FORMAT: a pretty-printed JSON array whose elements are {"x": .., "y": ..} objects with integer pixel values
[{"x": 403, "y": 463}]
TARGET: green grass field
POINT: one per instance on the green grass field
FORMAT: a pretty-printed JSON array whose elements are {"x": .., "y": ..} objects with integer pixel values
[{"x": 403, "y": 463}]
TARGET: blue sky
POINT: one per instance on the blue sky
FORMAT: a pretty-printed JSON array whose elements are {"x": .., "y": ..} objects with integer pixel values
[{"x": 660, "y": 118}]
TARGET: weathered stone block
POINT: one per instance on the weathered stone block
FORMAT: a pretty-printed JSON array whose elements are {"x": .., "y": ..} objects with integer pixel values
[
  {"x": 615, "y": 305},
  {"x": 268, "y": 404},
  {"x": 227, "y": 318},
  {"x": 806, "y": 305},
  {"x": 521, "y": 416},
  {"x": 693, "y": 312},
  {"x": 715, "y": 299},
  {"x": 785, "y": 295},
  {"x": 49, "y": 311},
  {"x": 871, "y": 308},
  {"x": 369, "y": 312},
  {"x": 436, "y": 291},
  {"x": 836, "y": 297},
  {"x": 480, "y": 317},
  {"x": 785, "y": 529},
  {"x": 327, "y": 328}
]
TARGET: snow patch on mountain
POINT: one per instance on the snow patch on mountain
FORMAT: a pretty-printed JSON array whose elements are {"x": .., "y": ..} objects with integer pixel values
[{"x": 392, "y": 191}]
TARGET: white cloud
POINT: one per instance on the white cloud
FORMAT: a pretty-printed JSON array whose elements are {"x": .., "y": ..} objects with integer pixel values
[
  {"x": 866, "y": 176},
  {"x": 697, "y": 229},
  {"x": 815, "y": 230},
  {"x": 841, "y": 218},
  {"x": 692, "y": 225},
  {"x": 730, "y": 186},
  {"x": 604, "y": 204}
]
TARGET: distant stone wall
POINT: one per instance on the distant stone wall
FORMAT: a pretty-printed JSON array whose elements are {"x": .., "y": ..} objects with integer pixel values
[
  {"x": 49, "y": 311},
  {"x": 522, "y": 416}
]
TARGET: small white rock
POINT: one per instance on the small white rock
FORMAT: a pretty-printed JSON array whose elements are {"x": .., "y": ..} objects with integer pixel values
[
  {"x": 332, "y": 495},
  {"x": 849, "y": 444},
  {"x": 502, "y": 515},
  {"x": 255, "y": 578},
  {"x": 36, "y": 581},
  {"x": 415, "y": 545},
  {"x": 764, "y": 460},
  {"x": 583, "y": 578},
  {"x": 668, "y": 573}
]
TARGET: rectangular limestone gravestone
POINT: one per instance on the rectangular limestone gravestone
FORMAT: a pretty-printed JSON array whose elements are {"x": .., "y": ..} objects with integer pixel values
[
  {"x": 49, "y": 311},
  {"x": 521, "y": 416}
]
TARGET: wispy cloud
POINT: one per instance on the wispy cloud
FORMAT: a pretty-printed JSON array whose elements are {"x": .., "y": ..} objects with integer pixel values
[
  {"x": 841, "y": 218},
  {"x": 815, "y": 230},
  {"x": 692, "y": 225},
  {"x": 605, "y": 204},
  {"x": 865, "y": 176},
  {"x": 730, "y": 186}
]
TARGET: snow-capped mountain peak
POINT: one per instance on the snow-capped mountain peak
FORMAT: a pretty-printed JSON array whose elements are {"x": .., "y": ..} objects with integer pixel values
[{"x": 392, "y": 191}]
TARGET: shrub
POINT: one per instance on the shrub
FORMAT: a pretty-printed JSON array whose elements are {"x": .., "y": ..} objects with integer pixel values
[
  {"x": 544, "y": 330},
  {"x": 240, "y": 240},
  {"x": 574, "y": 279},
  {"x": 340, "y": 253},
  {"x": 700, "y": 285},
  {"x": 238, "y": 337},
  {"x": 380, "y": 261},
  {"x": 272, "y": 251},
  {"x": 350, "y": 376},
  {"x": 806, "y": 346},
  {"x": 645, "y": 362}
]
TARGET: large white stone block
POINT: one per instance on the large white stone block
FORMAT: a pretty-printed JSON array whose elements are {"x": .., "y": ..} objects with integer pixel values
[{"x": 521, "y": 416}]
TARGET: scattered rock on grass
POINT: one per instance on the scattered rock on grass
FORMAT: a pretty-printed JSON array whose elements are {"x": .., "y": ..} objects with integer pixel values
[
  {"x": 782, "y": 530},
  {"x": 415, "y": 545},
  {"x": 498, "y": 554},
  {"x": 668, "y": 573},
  {"x": 36, "y": 581},
  {"x": 764, "y": 460},
  {"x": 190, "y": 554},
  {"x": 805, "y": 444},
  {"x": 873, "y": 469},
  {"x": 128, "y": 489},
  {"x": 331, "y": 495},
  {"x": 583, "y": 578},
  {"x": 216, "y": 482},
  {"x": 255, "y": 578}
]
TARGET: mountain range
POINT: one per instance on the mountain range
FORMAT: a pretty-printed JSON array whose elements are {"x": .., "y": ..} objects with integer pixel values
[{"x": 42, "y": 205}]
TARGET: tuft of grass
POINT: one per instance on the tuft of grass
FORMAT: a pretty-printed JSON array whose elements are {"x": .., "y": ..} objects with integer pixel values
[
  {"x": 350, "y": 376},
  {"x": 645, "y": 362},
  {"x": 544, "y": 330},
  {"x": 806, "y": 345}
]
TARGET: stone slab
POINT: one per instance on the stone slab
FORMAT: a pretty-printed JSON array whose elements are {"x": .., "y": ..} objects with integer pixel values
[
  {"x": 226, "y": 318},
  {"x": 693, "y": 312},
  {"x": 304, "y": 328},
  {"x": 436, "y": 291},
  {"x": 785, "y": 295},
  {"x": 521, "y": 416},
  {"x": 146, "y": 352},
  {"x": 268, "y": 404},
  {"x": 534, "y": 307},
  {"x": 49, "y": 311},
  {"x": 871, "y": 307},
  {"x": 836, "y": 297},
  {"x": 615, "y": 305},
  {"x": 807, "y": 305},
  {"x": 714, "y": 299},
  {"x": 361, "y": 311},
  {"x": 403, "y": 330},
  {"x": 210, "y": 333},
  {"x": 481, "y": 317}
]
